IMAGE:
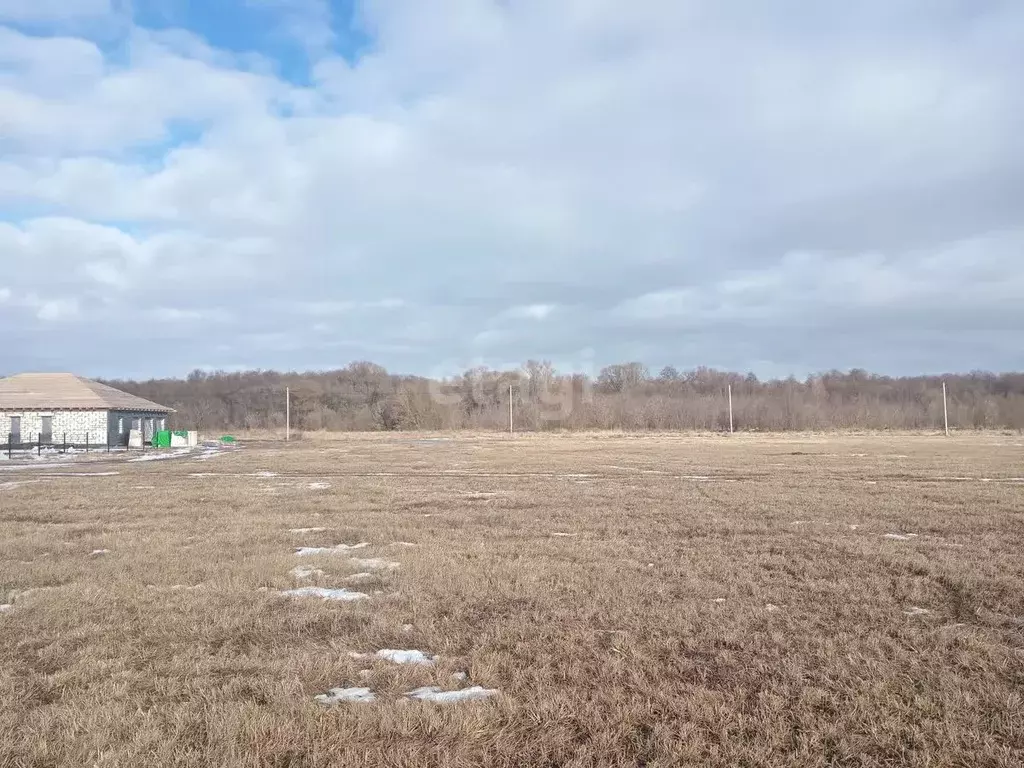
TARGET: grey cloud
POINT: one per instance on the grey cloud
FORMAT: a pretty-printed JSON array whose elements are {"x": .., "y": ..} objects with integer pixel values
[{"x": 784, "y": 188}]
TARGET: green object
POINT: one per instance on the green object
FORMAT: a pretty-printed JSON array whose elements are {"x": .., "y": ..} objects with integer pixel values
[
  {"x": 180, "y": 432},
  {"x": 162, "y": 439},
  {"x": 228, "y": 439}
]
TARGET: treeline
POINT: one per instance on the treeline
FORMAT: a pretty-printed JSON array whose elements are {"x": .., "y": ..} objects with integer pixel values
[{"x": 365, "y": 396}]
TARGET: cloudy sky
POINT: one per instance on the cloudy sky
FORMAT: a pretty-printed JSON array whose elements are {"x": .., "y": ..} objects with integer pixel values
[{"x": 771, "y": 186}]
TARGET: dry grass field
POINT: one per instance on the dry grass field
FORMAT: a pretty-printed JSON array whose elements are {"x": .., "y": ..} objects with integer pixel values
[{"x": 656, "y": 601}]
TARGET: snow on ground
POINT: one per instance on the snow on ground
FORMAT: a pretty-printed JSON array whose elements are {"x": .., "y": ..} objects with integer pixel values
[
  {"x": 100, "y": 552},
  {"x": 5, "y": 607},
  {"x": 81, "y": 474},
  {"x": 435, "y": 694},
  {"x": 264, "y": 474},
  {"x": 359, "y": 577},
  {"x": 162, "y": 456},
  {"x": 375, "y": 563},
  {"x": 338, "y": 549},
  {"x": 397, "y": 657},
  {"x": 305, "y": 572},
  {"x": 323, "y": 593},
  {"x": 212, "y": 450},
  {"x": 319, "y": 486},
  {"x": 560, "y": 533},
  {"x": 306, "y": 530},
  {"x": 900, "y": 536},
  {"x": 339, "y": 695},
  {"x": 915, "y": 611}
]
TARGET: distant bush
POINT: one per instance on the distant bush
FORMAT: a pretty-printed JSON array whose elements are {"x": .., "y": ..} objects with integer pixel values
[{"x": 364, "y": 396}]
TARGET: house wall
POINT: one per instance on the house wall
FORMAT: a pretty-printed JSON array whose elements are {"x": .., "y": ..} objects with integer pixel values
[
  {"x": 76, "y": 424},
  {"x": 96, "y": 426}
]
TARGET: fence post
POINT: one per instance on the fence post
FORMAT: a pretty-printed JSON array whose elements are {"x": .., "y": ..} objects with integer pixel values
[
  {"x": 39, "y": 444},
  {"x": 86, "y": 442},
  {"x": 10, "y": 445},
  {"x": 65, "y": 442}
]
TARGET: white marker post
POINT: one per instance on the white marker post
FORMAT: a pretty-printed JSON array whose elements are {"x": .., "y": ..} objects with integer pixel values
[
  {"x": 287, "y": 414},
  {"x": 945, "y": 408},
  {"x": 730, "y": 410},
  {"x": 510, "y": 409}
]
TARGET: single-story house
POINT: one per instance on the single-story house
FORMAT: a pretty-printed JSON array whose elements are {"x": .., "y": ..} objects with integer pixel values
[{"x": 52, "y": 407}]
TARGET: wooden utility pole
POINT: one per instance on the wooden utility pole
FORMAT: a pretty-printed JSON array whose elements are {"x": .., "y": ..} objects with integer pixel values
[
  {"x": 730, "y": 410},
  {"x": 510, "y": 430},
  {"x": 287, "y": 414},
  {"x": 945, "y": 408}
]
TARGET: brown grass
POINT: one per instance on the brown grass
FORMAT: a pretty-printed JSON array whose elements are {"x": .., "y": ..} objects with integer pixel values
[{"x": 757, "y": 618}]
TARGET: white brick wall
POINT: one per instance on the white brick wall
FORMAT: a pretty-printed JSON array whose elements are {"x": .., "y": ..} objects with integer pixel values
[{"x": 76, "y": 424}]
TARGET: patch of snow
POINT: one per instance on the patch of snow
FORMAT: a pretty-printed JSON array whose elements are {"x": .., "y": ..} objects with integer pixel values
[
  {"x": 319, "y": 486},
  {"x": 405, "y": 657},
  {"x": 323, "y": 593},
  {"x": 719, "y": 600},
  {"x": 338, "y": 549},
  {"x": 771, "y": 608},
  {"x": 161, "y": 456},
  {"x": 305, "y": 572},
  {"x": 264, "y": 474},
  {"x": 100, "y": 552},
  {"x": 900, "y": 536},
  {"x": 375, "y": 564},
  {"x": 460, "y": 676},
  {"x": 340, "y": 695},
  {"x": 81, "y": 474},
  {"x": 306, "y": 530},
  {"x": 359, "y": 577},
  {"x": 435, "y": 694},
  {"x": 915, "y": 611},
  {"x": 143, "y": 487},
  {"x": 404, "y": 544},
  {"x": 5, "y": 607},
  {"x": 854, "y": 527},
  {"x": 560, "y": 533},
  {"x": 407, "y": 627}
]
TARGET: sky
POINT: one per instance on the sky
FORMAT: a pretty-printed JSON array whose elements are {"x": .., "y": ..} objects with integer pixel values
[{"x": 782, "y": 187}]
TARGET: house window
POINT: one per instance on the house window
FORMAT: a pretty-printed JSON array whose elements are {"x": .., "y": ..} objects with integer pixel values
[
  {"x": 120, "y": 426},
  {"x": 16, "y": 428},
  {"x": 136, "y": 423},
  {"x": 161, "y": 425}
]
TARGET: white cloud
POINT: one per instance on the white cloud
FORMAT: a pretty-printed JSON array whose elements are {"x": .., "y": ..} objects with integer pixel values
[
  {"x": 531, "y": 312},
  {"x": 617, "y": 171}
]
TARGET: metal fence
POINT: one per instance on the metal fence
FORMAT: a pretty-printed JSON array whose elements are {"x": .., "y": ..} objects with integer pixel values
[{"x": 65, "y": 442}]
